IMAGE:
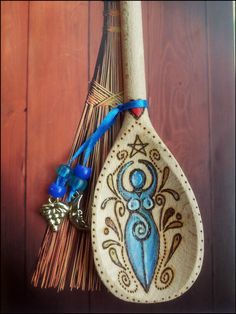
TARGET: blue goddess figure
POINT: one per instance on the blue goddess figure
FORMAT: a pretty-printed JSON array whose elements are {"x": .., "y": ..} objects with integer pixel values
[{"x": 141, "y": 234}]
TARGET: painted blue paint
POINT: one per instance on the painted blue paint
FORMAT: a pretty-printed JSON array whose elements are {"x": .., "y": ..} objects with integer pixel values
[
  {"x": 141, "y": 234},
  {"x": 137, "y": 179},
  {"x": 142, "y": 243},
  {"x": 148, "y": 203},
  {"x": 133, "y": 204}
]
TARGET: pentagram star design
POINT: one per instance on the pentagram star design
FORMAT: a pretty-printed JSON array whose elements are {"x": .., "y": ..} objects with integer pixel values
[{"x": 138, "y": 147}]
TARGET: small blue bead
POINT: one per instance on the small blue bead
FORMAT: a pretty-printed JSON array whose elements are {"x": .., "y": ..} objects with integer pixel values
[
  {"x": 82, "y": 172},
  {"x": 77, "y": 184},
  {"x": 83, "y": 185},
  {"x": 73, "y": 181},
  {"x": 64, "y": 171},
  {"x": 56, "y": 190},
  {"x": 61, "y": 181}
]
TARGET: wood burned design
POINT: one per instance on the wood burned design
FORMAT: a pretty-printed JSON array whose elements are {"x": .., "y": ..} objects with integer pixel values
[
  {"x": 143, "y": 238},
  {"x": 141, "y": 234},
  {"x": 138, "y": 147}
]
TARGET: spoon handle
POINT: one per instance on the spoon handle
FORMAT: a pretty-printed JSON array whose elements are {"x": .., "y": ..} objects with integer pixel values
[{"x": 132, "y": 50}]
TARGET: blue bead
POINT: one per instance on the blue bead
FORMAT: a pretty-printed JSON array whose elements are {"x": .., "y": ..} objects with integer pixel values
[
  {"x": 56, "y": 190},
  {"x": 77, "y": 184},
  {"x": 82, "y": 172},
  {"x": 64, "y": 171},
  {"x": 61, "y": 181}
]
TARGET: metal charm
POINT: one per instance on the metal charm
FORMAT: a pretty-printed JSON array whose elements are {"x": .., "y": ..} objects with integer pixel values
[
  {"x": 76, "y": 213},
  {"x": 54, "y": 212}
]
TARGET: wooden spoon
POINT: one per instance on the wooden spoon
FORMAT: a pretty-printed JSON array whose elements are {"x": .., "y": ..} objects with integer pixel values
[{"x": 147, "y": 234}]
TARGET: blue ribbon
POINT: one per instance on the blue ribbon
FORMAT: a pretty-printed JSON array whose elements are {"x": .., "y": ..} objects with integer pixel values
[{"x": 107, "y": 122}]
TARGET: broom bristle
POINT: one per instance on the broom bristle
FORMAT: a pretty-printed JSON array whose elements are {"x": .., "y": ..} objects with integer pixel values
[{"x": 66, "y": 256}]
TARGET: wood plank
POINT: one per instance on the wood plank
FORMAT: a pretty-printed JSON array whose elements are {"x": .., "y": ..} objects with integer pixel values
[
  {"x": 14, "y": 33},
  {"x": 179, "y": 112},
  {"x": 95, "y": 30},
  {"x": 58, "y": 80},
  {"x": 222, "y": 113}
]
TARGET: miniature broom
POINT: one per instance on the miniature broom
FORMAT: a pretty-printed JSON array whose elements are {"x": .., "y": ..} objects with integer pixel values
[{"x": 66, "y": 256}]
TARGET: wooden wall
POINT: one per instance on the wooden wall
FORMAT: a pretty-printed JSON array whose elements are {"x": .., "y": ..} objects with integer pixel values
[{"x": 49, "y": 49}]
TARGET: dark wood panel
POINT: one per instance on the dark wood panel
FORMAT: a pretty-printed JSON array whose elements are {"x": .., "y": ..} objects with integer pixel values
[
  {"x": 222, "y": 119},
  {"x": 179, "y": 112},
  {"x": 58, "y": 81},
  {"x": 14, "y": 33}
]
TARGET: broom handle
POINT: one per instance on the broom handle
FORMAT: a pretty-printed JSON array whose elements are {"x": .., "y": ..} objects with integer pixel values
[{"x": 132, "y": 50}]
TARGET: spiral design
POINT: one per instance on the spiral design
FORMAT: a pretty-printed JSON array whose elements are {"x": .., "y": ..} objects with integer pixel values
[
  {"x": 154, "y": 153},
  {"x": 123, "y": 154},
  {"x": 120, "y": 208},
  {"x": 119, "y": 212},
  {"x": 160, "y": 199},
  {"x": 124, "y": 279},
  {"x": 141, "y": 229},
  {"x": 125, "y": 282},
  {"x": 155, "y": 156},
  {"x": 166, "y": 278}
]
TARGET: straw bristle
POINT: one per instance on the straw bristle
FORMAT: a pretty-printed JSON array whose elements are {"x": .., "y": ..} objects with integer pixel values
[{"x": 66, "y": 257}]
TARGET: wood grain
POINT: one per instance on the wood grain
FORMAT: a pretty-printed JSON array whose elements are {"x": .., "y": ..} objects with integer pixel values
[
  {"x": 189, "y": 71},
  {"x": 14, "y": 33},
  {"x": 95, "y": 31},
  {"x": 222, "y": 148},
  {"x": 179, "y": 110},
  {"x": 57, "y": 89},
  {"x": 58, "y": 81}
]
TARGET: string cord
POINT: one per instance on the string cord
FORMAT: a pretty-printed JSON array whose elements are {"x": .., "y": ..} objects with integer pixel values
[{"x": 107, "y": 122}]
